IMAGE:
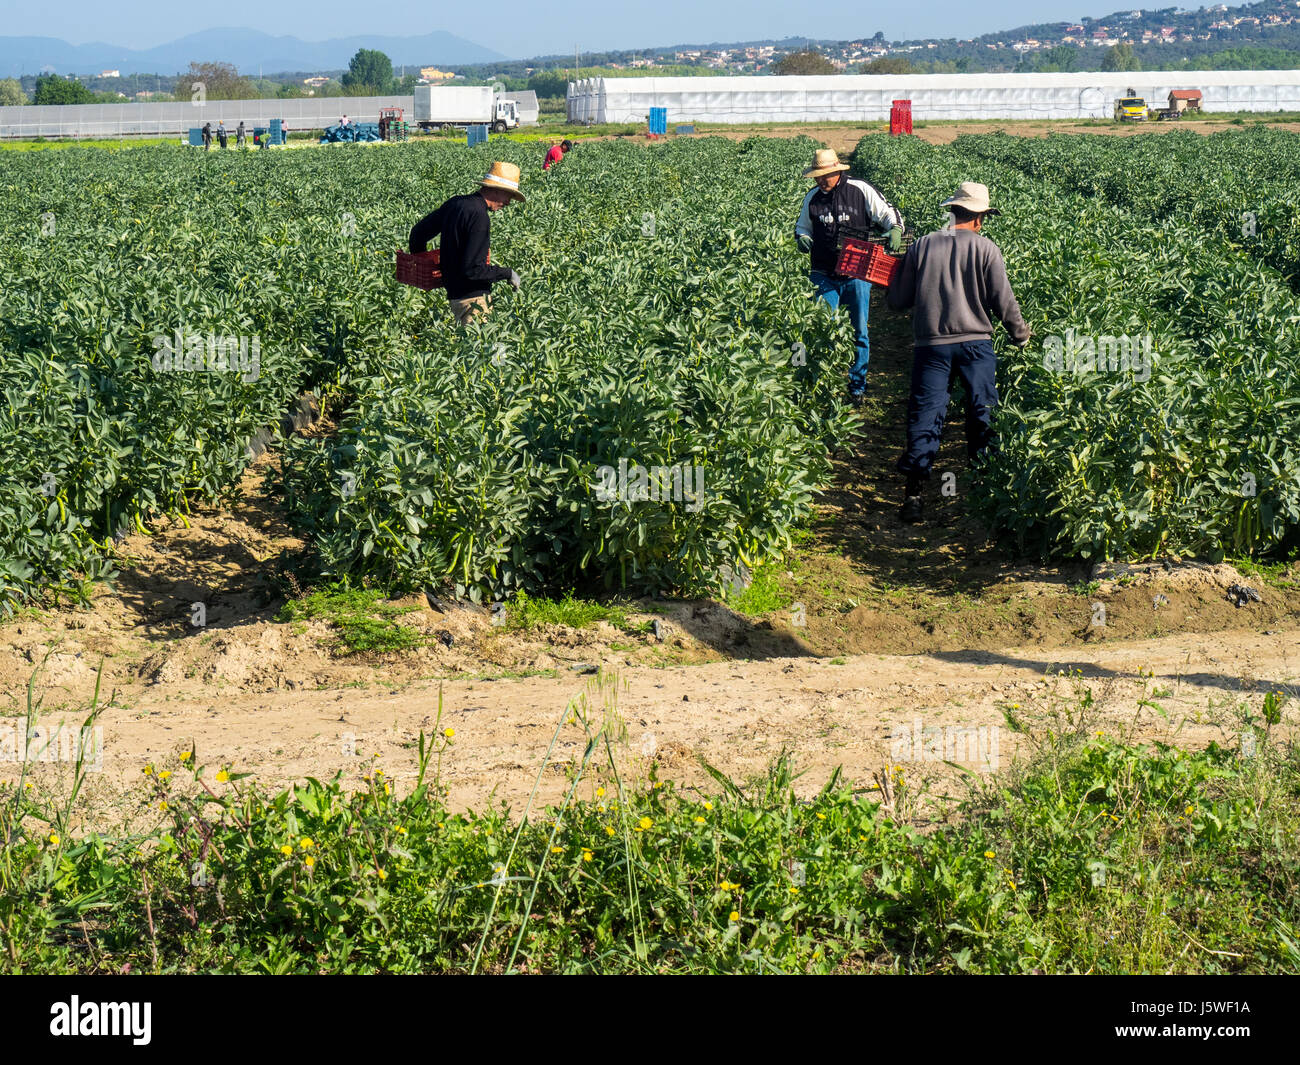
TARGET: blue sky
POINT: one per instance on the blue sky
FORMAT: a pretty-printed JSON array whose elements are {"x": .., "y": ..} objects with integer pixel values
[{"x": 521, "y": 28}]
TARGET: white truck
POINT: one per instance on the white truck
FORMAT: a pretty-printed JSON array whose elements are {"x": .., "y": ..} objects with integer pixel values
[{"x": 458, "y": 106}]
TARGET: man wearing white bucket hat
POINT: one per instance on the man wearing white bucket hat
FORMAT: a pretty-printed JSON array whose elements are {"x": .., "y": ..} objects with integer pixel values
[
  {"x": 841, "y": 201},
  {"x": 956, "y": 282},
  {"x": 463, "y": 224}
]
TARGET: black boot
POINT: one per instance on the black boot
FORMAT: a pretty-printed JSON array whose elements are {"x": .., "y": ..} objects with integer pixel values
[{"x": 913, "y": 505}]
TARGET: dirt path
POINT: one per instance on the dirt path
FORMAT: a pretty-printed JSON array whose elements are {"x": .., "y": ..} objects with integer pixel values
[
  {"x": 737, "y": 715},
  {"x": 845, "y": 138}
]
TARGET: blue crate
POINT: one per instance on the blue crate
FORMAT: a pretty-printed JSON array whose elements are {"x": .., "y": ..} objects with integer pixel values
[
  {"x": 659, "y": 120},
  {"x": 196, "y": 137},
  {"x": 476, "y": 135},
  {"x": 685, "y": 129}
]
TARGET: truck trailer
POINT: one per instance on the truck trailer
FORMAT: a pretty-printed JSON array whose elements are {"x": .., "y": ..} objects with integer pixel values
[{"x": 457, "y": 106}]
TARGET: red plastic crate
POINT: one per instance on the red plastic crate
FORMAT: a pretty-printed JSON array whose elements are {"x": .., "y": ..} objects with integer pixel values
[
  {"x": 419, "y": 269},
  {"x": 866, "y": 262}
]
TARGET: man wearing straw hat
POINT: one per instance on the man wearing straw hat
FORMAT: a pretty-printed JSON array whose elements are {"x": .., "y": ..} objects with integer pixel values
[
  {"x": 839, "y": 201},
  {"x": 956, "y": 282},
  {"x": 463, "y": 224}
]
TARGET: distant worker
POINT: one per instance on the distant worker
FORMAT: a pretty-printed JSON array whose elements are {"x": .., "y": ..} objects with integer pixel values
[
  {"x": 557, "y": 153},
  {"x": 836, "y": 202},
  {"x": 239, "y": 134},
  {"x": 343, "y": 121},
  {"x": 956, "y": 280},
  {"x": 221, "y": 134},
  {"x": 464, "y": 227},
  {"x": 383, "y": 128},
  {"x": 207, "y": 136}
]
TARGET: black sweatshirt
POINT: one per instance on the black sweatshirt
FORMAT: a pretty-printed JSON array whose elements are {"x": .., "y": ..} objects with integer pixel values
[{"x": 463, "y": 224}]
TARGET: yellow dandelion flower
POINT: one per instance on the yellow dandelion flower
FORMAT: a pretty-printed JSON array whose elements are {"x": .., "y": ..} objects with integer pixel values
[
  {"x": 148, "y": 770},
  {"x": 222, "y": 777},
  {"x": 600, "y": 793},
  {"x": 794, "y": 891},
  {"x": 286, "y": 850},
  {"x": 449, "y": 732},
  {"x": 306, "y": 843},
  {"x": 708, "y": 805},
  {"x": 164, "y": 774},
  {"x": 821, "y": 817},
  {"x": 1190, "y": 810},
  {"x": 400, "y": 830},
  {"x": 646, "y": 823},
  {"x": 700, "y": 821},
  {"x": 185, "y": 756},
  {"x": 163, "y": 805},
  {"x": 309, "y": 861},
  {"x": 381, "y": 874},
  {"x": 733, "y": 916},
  {"x": 54, "y": 838},
  {"x": 989, "y": 854},
  {"x": 586, "y": 854},
  {"x": 557, "y": 850}
]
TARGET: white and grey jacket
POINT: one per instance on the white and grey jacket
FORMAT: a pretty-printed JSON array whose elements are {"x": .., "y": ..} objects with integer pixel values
[{"x": 852, "y": 202}]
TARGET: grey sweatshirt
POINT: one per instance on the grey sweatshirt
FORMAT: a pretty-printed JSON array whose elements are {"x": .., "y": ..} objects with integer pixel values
[{"x": 955, "y": 278}]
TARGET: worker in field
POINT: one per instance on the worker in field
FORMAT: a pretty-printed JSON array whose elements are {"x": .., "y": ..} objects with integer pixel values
[
  {"x": 956, "y": 283},
  {"x": 221, "y": 135},
  {"x": 239, "y": 134},
  {"x": 207, "y": 136},
  {"x": 462, "y": 223},
  {"x": 557, "y": 152},
  {"x": 835, "y": 202}
]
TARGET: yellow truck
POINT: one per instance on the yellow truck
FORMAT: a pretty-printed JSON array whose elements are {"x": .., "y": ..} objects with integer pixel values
[{"x": 1130, "y": 109}]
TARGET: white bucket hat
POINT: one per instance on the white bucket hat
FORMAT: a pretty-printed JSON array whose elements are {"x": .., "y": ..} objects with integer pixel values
[{"x": 973, "y": 196}]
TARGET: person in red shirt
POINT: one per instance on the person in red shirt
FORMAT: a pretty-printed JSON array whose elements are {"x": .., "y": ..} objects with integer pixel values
[{"x": 557, "y": 153}]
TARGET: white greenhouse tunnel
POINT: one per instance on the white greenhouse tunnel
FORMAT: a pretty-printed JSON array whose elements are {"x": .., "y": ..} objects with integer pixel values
[{"x": 867, "y": 97}]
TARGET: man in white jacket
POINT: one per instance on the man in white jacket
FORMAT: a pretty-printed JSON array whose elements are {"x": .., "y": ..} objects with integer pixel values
[{"x": 841, "y": 201}]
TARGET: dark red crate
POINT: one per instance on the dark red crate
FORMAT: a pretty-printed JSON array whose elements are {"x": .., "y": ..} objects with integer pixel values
[
  {"x": 866, "y": 262},
  {"x": 420, "y": 269}
]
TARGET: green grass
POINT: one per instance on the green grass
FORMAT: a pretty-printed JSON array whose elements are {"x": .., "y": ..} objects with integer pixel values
[
  {"x": 1095, "y": 854},
  {"x": 526, "y": 613},
  {"x": 763, "y": 595},
  {"x": 364, "y": 623}
]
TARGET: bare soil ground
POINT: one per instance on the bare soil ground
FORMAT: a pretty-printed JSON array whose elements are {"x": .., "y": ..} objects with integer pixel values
[{"x": 845, "y": 138}]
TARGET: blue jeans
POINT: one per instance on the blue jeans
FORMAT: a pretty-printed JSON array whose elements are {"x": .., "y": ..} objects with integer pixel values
[
  {"x": 933, "y": 371},
  {"x": 856, "y": 296}
]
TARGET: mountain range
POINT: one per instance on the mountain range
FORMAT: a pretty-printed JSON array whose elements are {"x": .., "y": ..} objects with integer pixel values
[{"x": 248, "y": 50}]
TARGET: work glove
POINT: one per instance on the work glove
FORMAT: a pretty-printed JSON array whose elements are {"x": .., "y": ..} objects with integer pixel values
[
  {"x": 804, "y": 241},
  {"x": 896, "y": 240},
  {"x": 514, "y": 280}
]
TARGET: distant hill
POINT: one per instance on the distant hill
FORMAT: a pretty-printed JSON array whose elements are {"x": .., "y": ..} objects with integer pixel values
[{"x": 249, "y": 50}]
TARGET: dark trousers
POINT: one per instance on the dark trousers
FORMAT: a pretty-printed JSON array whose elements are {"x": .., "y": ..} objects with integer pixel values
[{"x": 933, "y": 371}]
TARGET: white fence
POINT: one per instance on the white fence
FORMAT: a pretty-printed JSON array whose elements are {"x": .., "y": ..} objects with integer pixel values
[
  {"x": 867, "y": 98},
  {"x": 93, "y": 121}
]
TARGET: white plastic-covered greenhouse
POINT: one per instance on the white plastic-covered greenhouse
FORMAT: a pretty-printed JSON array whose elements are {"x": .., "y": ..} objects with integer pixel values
[{"x": 867, "y": 97}]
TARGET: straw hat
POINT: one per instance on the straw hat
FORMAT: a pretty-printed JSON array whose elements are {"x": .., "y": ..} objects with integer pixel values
[
  {"x": 973, "y": 196},
  {"x": 504, "y": 176},
  {"x": 825, "y": 162}
]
